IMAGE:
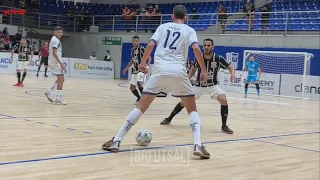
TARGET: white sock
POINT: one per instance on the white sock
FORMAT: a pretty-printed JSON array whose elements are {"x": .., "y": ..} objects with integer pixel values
[
  {"x": 195, "y": 126},
  {"x": 132, "y": 119},
  {"x": 54, "y": 87},
  {"x": 59, "y": 94}
]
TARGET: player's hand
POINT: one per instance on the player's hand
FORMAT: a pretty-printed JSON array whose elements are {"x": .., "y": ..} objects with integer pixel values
[
  {"x": 142, "y": 68},
  {"x": 62, "y": 67},
  {"x": 124, "y": 71},
  {"x": 203, "y": 76},
  {"x": 233, "y": 78},
  {"x": 146, "y": 70}
]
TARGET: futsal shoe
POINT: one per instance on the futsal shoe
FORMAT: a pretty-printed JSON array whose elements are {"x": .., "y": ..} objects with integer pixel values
[
  {"x": 17, "y": 84},
  {"x": 201, "y": 152},
  {"x": 113, "y": 146},
  {"x": 60, "y": 102},
  {"x": 48, "y": 96},
  {"x": 225, "y": 129},
  {"x": 166, "y": 121},
  {"x": 21, "y": 85}
]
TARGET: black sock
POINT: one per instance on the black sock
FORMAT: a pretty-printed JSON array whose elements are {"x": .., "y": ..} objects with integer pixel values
[
  {"x": 140, "y": 88},
  {"x": 38, "y": 69},
  {"x": 224, "y": 115},
  {"x": 19, "y": 76},
  {"x": 175, "y": 111},
  {"x": 136, "y": 93},
  {"x": 45, "y": 71},
  {"x": 23, "y": 76}
]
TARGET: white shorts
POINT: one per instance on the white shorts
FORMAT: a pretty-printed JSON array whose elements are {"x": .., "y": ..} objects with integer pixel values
[
  {"x": 212, "y": 91},
  {"x": 21, "y": 65},
  {"x": 56, "y": 69},
  {"x": 135, "y": 78},
  {"x": 179, "y": 86}
]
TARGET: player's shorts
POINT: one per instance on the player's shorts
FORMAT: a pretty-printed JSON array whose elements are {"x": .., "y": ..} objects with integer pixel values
[
  {"x": 212, "y": 91},
  {"x": 56, "y": 69},
  {"x": 179, "y": 86},
  {"x": 135, "y": 78},
  {"x": 21, "y": 65},
  {"x": 44, "y": 60},
  {"x": 252, "y": 79}
]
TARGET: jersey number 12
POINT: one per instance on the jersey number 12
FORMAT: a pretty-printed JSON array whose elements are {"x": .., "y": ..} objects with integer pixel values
[{"x": 176, "y": 36}]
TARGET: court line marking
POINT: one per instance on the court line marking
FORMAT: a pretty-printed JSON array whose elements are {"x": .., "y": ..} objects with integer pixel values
[
  {"x": 11, "y": 117},
  {"x": 294, "y": 147},
  {"x": 151, "y": 148}
]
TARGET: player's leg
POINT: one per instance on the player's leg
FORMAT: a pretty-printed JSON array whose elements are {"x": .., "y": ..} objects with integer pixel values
[
  {"x": 140, "y": 81},
  {"x": 46, "y": 64},
  {"x": 41, "y": 62},
  {"x": 198, "y": 91},
  {"x": 18, "y": 74},
  {"x": 246, "y": 85},
  {"x": 133, "y": 86},
  {"x": 24, "y": 74},
  {"x": 60, "y": 81},
  {"x": 155, "y": 84},
  {"x": 183, "y": 89},
  {"x": 215, "y": 92},
  {"x": 256, "y": 82}
]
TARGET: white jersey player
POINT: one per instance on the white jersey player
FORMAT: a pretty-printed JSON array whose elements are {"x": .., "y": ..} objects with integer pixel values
[
  {"x": 56, "y": 66},
  {"x": 169, "y": 74}
]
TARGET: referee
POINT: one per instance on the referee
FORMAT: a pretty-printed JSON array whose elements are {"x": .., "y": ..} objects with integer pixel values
[{"x": 43, "y": 56}]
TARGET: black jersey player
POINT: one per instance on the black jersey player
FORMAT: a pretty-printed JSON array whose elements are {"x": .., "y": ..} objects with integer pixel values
[
  {"x": 25, "y": 56},
  {"x": 213, "y": 63}
]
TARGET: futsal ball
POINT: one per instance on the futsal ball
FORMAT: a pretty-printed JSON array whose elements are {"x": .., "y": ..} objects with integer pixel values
[{"x": 143, "y": 137}]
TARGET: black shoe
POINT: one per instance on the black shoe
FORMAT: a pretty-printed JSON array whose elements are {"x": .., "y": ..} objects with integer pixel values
[
  {"x": 37, "y": 74},
  {"x": 45, "y": 75},
  {"x": 166, "y": 121},
  {"x": 225, "y": 129}
]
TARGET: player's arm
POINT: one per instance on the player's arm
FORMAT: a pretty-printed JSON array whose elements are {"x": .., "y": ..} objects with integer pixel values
[
  {"x": 193, "y": 41},
  {"x": 39, "y": 54},
  {"x": 260, "y": 72},
  {"x": 193, "y": 69},
  {"x": 31, "y": 55},
  {"x": 225, "y": 65},
  {"x": 153, "y": 41}
]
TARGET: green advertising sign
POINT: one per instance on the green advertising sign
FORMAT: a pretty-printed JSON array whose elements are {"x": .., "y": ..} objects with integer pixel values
[{"x": 111, "y": 40}]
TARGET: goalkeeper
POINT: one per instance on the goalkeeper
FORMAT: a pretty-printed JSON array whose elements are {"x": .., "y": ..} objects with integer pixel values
[{"x": 253, "y": 68}]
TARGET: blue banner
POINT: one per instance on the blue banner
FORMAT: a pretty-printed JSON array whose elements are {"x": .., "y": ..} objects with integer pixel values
[{"x": 235, "y": 55}]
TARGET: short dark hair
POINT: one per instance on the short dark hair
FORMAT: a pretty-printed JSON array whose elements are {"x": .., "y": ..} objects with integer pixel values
[
  {"x": 58, "y": 28},
  {"x": 208, "y": 39},
  {"x": 179, "y": 11},
  {"x": 135, "y": 37}
]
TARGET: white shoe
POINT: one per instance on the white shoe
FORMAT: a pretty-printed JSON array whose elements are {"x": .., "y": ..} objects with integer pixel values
[
  {"x": 201, "y": 152},
  {"x": 113, "y": 146},
  {"x": 48, "y": 95},
  {"x": 60, "y": 102}
]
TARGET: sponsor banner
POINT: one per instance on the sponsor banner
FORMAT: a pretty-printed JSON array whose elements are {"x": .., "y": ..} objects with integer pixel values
[
  {"x": 269, "y": 83},
  {"x": 33, "y": 68},
  {"x": 91, "y": 68},
  {"x": 291, "y": 85},
  {"x": 5, "y": 66}
]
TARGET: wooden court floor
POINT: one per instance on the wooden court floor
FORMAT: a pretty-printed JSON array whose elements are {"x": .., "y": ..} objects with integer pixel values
[{"x": 274, "y": 139}]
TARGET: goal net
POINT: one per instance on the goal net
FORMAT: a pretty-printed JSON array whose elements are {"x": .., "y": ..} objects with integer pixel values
[{"x": 283, "y": 73}]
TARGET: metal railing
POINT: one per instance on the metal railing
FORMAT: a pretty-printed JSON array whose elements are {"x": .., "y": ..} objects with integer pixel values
[{"x": 289, "y": 22}]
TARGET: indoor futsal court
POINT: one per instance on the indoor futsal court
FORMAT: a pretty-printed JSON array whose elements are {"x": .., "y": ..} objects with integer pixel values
[{"x": 274, "y": 138}]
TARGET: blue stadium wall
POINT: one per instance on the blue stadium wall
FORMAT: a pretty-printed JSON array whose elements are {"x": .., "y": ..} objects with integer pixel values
[{"x": 315, "y": 61}]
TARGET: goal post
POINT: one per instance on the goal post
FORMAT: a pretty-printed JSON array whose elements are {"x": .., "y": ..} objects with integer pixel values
[{"x": 288, "y": 72}]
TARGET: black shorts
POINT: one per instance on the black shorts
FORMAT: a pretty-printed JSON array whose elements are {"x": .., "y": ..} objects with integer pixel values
[{"x": 44, "y": 60}]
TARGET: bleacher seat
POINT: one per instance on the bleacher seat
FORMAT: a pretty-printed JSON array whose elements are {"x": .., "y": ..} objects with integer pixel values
[{"x": 310, "y": 21}]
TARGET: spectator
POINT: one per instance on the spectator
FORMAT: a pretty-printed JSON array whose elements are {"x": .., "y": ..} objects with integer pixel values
[
  {"x": 222, "y": 17},
  {"x": 107, "y": 56},
  {"x": 93, "y": 56},
  {"x": 156, "y": 18},
  {"x": 133, "y": 18},
  {"x": 144, "y": 19},
  {"x": 149, "y": 21},
  {"x": 17, "y": 38},
  {"x": 266, "y": 8},
  {"x": 193, "y": 12},
  {"x": 126, "y": 13},
  {"x": 249, "y": 9},
  {"x": 5, "y": 31}
]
